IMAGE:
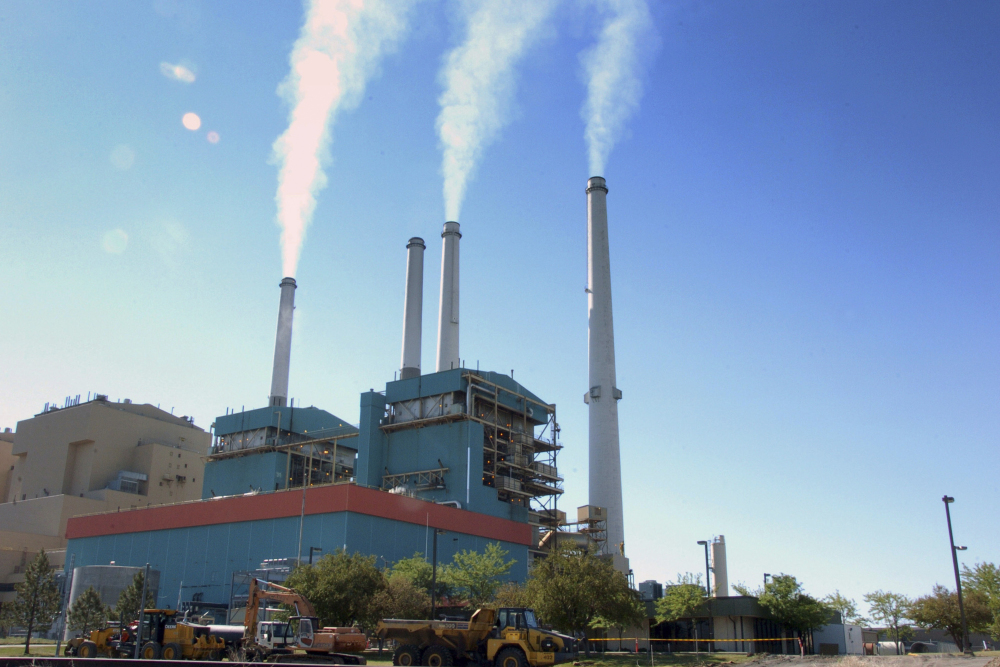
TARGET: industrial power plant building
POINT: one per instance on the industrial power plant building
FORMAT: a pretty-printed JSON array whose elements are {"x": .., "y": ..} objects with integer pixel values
[
  {"x": 468, "y": 453},
  {"x": 464, "y": 441}
]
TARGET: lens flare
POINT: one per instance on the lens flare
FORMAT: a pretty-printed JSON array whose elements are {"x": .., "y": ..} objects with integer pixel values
[
  {"x": 115, "y": 241},
  {"x": 191, "y": 121},
  {"x": 213, "y": 137}
]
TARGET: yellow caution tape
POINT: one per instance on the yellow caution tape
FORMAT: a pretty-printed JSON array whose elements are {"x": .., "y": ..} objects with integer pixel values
[{"x": 725, "y": 641}]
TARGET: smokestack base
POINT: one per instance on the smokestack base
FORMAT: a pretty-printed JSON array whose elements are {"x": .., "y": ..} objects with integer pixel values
[
  {"x": 597, "y": 183},
  {"x": 409, "y": 372}
]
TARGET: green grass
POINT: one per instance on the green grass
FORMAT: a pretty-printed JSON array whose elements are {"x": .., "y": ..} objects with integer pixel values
[
  {"x": 41, "y": 649},
  {"x": 20, "y": 640}
]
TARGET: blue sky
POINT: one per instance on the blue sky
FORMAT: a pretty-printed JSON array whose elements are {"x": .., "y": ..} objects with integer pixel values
[{"x": 804, "y": 237}]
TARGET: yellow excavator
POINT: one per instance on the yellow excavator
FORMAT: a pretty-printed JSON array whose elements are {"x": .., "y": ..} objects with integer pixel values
[{"x": 299, "y": 639}]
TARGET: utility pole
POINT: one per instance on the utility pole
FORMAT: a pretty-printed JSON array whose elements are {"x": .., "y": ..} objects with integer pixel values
[
  {"x": 142, "y": 612},
  {"x": 434, "y": 573},
  {"x": 966, "y": 645}
]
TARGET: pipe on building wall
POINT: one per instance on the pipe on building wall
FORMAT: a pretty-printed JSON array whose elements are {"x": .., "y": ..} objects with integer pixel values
[
  {"x": 447, "y": 342},
  {"x": 413, "y": 309},
  {"x": 283, "y": 344},
  {"x": 603, "y": 395}
]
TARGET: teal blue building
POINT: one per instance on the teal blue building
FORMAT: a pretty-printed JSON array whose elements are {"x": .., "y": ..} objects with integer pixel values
[{"x": 472, "y": 453}]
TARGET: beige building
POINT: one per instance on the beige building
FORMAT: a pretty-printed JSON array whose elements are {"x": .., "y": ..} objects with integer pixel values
[{"x": 91, "y": 457}]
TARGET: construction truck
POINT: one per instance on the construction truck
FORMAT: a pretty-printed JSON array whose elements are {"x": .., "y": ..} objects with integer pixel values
[
  {"x": 300, "y": 638},
  {"x": 96, "y": 643},
  {"x": 505, "y": 637},
  {"x": 167, "y": 638}
]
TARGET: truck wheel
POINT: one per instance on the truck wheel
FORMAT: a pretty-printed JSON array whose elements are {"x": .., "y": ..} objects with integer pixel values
[
  {"x": 510, "y": 657},
  {"x": 172, "y": 651},
  {"x": 438, "y": 656},
  {"x": 150, "y": 651},
  {"x": 87, "y": 650},
  {"x": 406, "y": 655}
]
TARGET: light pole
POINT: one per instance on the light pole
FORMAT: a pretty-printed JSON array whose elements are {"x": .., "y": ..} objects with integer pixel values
[
  {"x": 766, "y": 575},
  {"x": 966, "y": 646},
  {"x": 434, "y": 573},
  {"x": 708, "y": 581},
  {"x": 311, "y": 550}
]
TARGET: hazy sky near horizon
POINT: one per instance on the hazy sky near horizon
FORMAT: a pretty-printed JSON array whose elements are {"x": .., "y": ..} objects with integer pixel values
[{"x": 804, "y": 236}]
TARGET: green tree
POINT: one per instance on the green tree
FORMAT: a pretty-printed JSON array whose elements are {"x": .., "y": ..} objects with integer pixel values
[
  {"x": 341, "y": 587},
  {"x": 88, "y": 612},
  {"x": 984, "y": 579},
  {"x": 401, "y": 598},
  {"x": 128, "y": 604},
  {"x": 512, "y": 594},
  {"x": 37, "y": 601},
  {"x": 940, "y": 610},
  {"x": 6, "y": 618},
  {"x": 575, "y": 590},
  {"x": 792, "y": 607},
  {"x": 888, "y": 608},
  {"x": 847, "y": 607},
  {"x": 746, "y": 591},
  {"x": 420, "y": 572},
  {"x": 681, "y": 600},
  {"x": 475, "y": 576}
]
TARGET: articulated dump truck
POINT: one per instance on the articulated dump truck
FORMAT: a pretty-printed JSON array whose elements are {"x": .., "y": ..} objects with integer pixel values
[{"x": 506, "y": 637}]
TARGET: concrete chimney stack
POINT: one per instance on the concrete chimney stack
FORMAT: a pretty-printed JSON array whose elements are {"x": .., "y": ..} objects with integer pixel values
[
  {"x": 413, "y": 309},
  {"x": 603, "y": 396},
  {"x": 447, "y": 352},
  {"x": 283, "y": 344}
]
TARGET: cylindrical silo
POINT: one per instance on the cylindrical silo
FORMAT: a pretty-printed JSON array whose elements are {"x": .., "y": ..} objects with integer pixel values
[
  {"x": 721, "y": 577},
  {"x": 109, "y": 581}
]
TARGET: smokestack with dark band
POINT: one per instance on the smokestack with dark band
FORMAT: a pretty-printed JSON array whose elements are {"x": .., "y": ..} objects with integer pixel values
[
  {"x": 283, "y": 344},
  {"x": 605, "y": 460},
  {"x": 413, "y": 309},
  {"x": 447, "y": 352}
]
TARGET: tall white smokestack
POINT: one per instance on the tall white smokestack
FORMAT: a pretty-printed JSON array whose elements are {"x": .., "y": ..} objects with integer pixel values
[
  {"x": 413, "y": 309},
  {"x": 605, "y": 460},
  {"x": 447, "y": 356},
  {"x": 283, "y": 344}
]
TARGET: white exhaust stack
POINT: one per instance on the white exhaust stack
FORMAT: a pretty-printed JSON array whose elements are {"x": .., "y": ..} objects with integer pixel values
[
  {"x": 605, "y": 460},
  {"x": 283, "y": 344},
  {"x": 413, "y": 309},
  {"x": 447, "y": 353},
  {"x": 720, "y": 574}
]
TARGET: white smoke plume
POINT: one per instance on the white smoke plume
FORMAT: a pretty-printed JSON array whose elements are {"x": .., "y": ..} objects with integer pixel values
[
  {"x": 478, "y": 78},
  {"x": 613, "y": 69},
  {"x": 338, "y": 50}
]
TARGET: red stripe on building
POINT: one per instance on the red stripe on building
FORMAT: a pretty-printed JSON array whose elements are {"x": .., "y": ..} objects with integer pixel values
[{"x": 283, "y": 504}]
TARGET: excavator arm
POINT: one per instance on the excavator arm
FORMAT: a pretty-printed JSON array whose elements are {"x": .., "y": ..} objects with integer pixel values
[{"x": 273, "y": 593}]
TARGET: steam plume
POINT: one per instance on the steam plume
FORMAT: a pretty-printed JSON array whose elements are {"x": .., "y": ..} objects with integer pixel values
[
  {"x": 338, "y": 50},
  {"x": 613, "y": 69},
  {"x": 478, "y": 78}
]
